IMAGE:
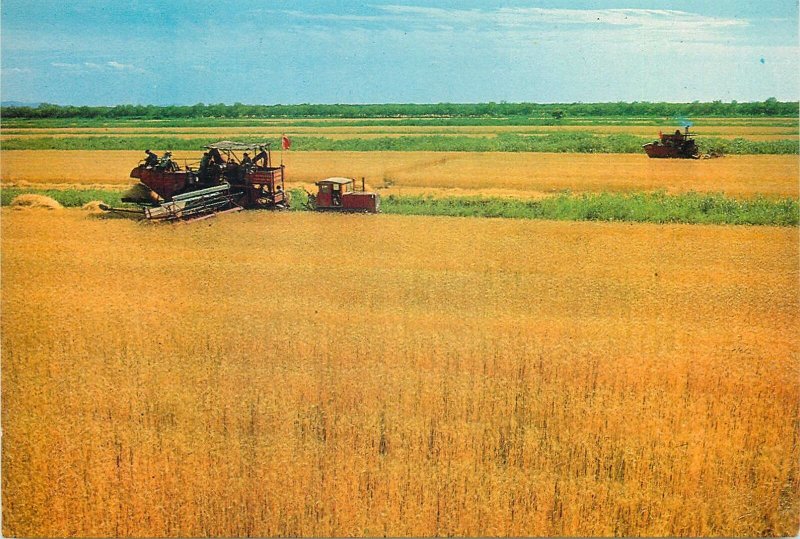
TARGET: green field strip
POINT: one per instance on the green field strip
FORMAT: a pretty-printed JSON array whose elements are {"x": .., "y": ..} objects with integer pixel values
[{"x": 658, "y": 207}]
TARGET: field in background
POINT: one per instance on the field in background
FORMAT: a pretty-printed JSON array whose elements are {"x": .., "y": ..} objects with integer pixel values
[
  {"x": 752, "y": 132},
  {"x": 397, "y": 375},
  {"x": 733, "y": 136},
  {"x": 457, "y": 173}
]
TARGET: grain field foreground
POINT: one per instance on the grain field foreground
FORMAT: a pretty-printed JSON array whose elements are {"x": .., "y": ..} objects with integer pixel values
[{"x": 280, "y": 374}]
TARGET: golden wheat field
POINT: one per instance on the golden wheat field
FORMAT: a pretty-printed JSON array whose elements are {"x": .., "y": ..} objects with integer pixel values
[
  {"x": 269, "y": 374},
  {"x": 517, "y": 174}
]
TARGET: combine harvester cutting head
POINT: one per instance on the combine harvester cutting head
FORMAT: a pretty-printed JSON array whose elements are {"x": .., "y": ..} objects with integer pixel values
[{"x": 194, "y": 205}]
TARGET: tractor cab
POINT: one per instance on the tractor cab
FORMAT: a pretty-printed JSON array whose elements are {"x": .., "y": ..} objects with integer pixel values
[
  {"x": 331, "y": 191},
  {"x": 339, "y": 194}
]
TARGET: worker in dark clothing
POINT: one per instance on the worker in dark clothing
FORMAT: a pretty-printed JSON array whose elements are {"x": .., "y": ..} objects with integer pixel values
[
  {"x": 203, "y": 173},
  {"x": 166, "y": 162},
  {"x": 214, "y": 157},
  {"x": 262, "y": 158},
  {"x": 151, "y": 160},
  {"x": 246, "y": 161}
]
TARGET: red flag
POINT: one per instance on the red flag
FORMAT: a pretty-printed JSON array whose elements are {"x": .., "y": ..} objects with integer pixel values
[{"x": 286, "y": 143}]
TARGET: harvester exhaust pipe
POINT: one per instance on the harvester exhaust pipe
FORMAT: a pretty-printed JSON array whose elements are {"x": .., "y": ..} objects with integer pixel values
[{"x": 362, "y": 184}]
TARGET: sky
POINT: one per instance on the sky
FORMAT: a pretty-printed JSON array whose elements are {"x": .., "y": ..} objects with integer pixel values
[{"x": 88, "y": 52}]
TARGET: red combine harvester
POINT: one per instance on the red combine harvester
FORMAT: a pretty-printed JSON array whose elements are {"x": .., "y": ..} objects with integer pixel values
[
  {"x": 224, "y": 180},
  {"x": 676, "y": 146},
  {"x": 339, "y": 194}
]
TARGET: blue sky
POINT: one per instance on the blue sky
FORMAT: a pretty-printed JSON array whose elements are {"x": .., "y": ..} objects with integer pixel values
[{"x": 86, "y": 52}]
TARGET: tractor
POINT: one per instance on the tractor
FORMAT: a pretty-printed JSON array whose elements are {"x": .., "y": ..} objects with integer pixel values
[{"x": 339, "y": 194}]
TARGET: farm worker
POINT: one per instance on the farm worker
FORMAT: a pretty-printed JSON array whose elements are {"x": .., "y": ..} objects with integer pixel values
[
  {"x": 215, "y": 157},
  {"x": 262, "y": 156},
  {"x": 204, "y": 167},
  {"x": 246, "y": 161},
  {"x": 151, "y": 160},
  {"x": 166, "y": 161}
]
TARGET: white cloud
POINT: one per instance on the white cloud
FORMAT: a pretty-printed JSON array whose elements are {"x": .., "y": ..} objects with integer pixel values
[
  {"x": 82, "y": 66},
  {"x": 679, "y": 23},
  {"x": 648, "y": 18},
  {"x": 335, "y": 17},
  {"x": 514, "y": 30},
  {"x": 118, "y": 66},
  {"x": 14, "y": 70},
  {"x": 108, "y": 67}
]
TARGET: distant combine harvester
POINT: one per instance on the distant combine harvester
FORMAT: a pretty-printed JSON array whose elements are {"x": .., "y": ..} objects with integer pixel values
[{"x": 676, "y": 146}]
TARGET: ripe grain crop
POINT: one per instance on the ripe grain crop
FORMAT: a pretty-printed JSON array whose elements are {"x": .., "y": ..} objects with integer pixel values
[
  {"x": 517, "y": 174},
  {"x": 303, "y": 374}
]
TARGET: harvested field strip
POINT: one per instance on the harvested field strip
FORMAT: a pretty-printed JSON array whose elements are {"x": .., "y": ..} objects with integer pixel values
[
  {"x": 738, "y": 176},
  {"x": 556, "y": 142},
  {"x": 690, "y": 208}
]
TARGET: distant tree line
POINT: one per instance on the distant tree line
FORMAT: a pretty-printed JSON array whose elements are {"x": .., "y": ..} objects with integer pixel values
[{"x": 769, "y": 107}]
